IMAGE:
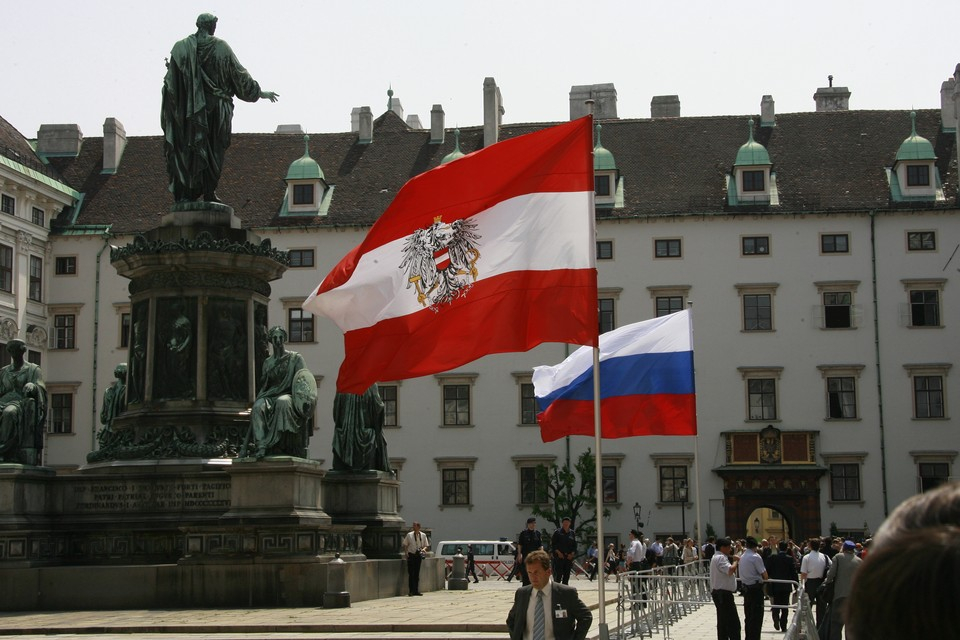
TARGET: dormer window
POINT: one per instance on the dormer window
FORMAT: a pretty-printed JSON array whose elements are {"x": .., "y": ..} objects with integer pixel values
[
  {"x": 603, "y": 185},
  {"x": 607, "y": 184},
  {"x": 752, "y": 180},
  {"x": 914, "y": 175},
  {"x": 307, "y": 194}
]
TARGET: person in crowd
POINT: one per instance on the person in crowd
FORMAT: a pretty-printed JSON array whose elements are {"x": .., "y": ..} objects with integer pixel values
[
  {"x": 709, "y": 548},
  {"x": 671, "y": 554},
  {"x": 780, "y": 566},
  {"x": 593, "y": 556},
  {"x": 530, "y": 541},
  {"x": 752, "y": 576},
  {"x": 841, "y": 573},
  {"x": 515, "y": 569},
  {"x": 813, "y": 569},
  {"x": 415, "y": 546},
  {"x": 564, "y": 546},
  {"x": 471, "y": 564},
  {"x": 635, "y": 552},
  {"x": 611, "y": 561},
  {"x": 723, "y": 584},
  {"x": 908, "y": 585},
  {"x": 689, "y": 554},
  {"x": 545, "y": 610}
]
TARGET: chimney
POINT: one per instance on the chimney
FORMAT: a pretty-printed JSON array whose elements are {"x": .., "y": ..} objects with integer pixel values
[
  {"x": 114, "y": 142},
  {"x": 413, "y": 121},
  {"x": 355, "y": 119},
  {"x": 365, "y": 118},
  {"x": 289, "y": 128},
  {"x": 59, "y": 140},
  {"x": 665, "y": 107},
  {"x": 832, "y": 98},
  {"x": 604, "y": 98},
  {"x": 436, "y": 124},
  {"x": 948, "y": 106},
  {"x": 492, "y": 111},
  {"x": 768, "y": 115}
]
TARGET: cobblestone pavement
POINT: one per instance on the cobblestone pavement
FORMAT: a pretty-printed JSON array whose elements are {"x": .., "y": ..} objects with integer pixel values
[{"x": 477, "y": 613}]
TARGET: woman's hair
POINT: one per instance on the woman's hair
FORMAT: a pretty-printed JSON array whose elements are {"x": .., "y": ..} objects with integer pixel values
[{"x": 941, "y": 506}]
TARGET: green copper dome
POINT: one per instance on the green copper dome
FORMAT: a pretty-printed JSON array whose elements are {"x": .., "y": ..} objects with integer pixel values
[
  {"x": 915, "y": 147},
  {"x": 752, "y": 153},
  {"x": 305, "y": 168},
  {"x": 456, "y": 154},
  {"x": 602, "y": 158}
]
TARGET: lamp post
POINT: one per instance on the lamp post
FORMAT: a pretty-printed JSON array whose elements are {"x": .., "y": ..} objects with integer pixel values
[
  {"x": 637, "y": 511},
  {"x": 682, "y": 490}
]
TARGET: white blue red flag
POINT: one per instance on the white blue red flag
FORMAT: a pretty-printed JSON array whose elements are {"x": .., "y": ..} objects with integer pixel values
[
  {"x": 491, "y": 253},
  {"x": 646, "y": 384}
]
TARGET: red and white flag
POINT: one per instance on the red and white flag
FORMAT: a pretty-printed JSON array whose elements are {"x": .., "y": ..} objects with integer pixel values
[{"x": 491, "y": 253}]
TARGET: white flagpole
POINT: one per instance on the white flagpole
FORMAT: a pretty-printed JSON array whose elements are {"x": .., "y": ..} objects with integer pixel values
[
  {"x": 598, "y": 494},
  {"x": 698, "y": 539}
]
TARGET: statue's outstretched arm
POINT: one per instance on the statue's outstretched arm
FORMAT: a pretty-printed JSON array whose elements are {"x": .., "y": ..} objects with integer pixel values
[{"x": 270, "y": 95}]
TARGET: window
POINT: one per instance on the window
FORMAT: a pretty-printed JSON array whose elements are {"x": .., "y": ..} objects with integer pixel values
[
  {"x": 300, "y": 258},
  {"x": 928, "y": 396},
  {"x": 762, "y": 399},
  {"x": 607, "y": 314},
  {"x": 601, "y": 185},
  {"x": 604, "y": 249},
  {"x": 65, "y": 265},
  {"x": 925, "y": 308},
  {"x": 388, "y": 393},
  {"x": 755, "y": 245},
  {"x": 921, "y": 241},
  {"x": 836, "y": 309},
  {"x": 61, "y": 413},
  {"x": 842, "y": 398},
  {"x": 302, "y": 194},
  {"x": 669, "y": 248},
  {"x": 300, "y": 325},
  {"x": 834, "y": 243},
  {"x": 669, "y": 304},
  {"x": 918, "y": 175},
  {"x": 673, "y": 483},
  {"x": 845, "y": 482},
  {"x": 64, "y": 331},
  {"x": 611, "y": 489},
  {"x": 753, "y": 180},
  {"x": 456, "y": 404},
  {"x": 528, "y": 404},
  {"x": 36, "y": 279},
  {"x": 6, "y": 268},
  {"x": 456, "y": 487},
  {"x": 8, "y": 204},
  {"x": 533, "y": 488},
  {"x": 125, "y": 330},
  {"x": 932, "y": 474},
  {"x": 37, "y": 216},
  {"x": 757, "y": 312}
]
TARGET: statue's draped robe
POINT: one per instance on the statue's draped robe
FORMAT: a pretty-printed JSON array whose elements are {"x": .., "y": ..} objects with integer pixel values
[
  {"x": 21, "y": 417},
  {"x": 273, "y": 411},
  {"x": 203, "y": 75},
  {"x": 358, "y": 442},
  {"x": 114, "y": 403}
]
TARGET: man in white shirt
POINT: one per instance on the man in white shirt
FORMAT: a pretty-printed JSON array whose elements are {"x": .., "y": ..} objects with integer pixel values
[
  {"x": 813, "y": 569},
  {"x": 635, "y": 552},
  {"x": 753, "y": 574},
  {"x": 723, "y": 584},
  {"x": 547, "y": 610},
  {"x": 415, "y": 545}
]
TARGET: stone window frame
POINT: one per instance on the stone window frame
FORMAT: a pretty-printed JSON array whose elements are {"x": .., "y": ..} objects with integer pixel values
[
  {"x": 612, "y": 294},
  {"x": 835, "y": 234},
  {"x": 828, "y": 371},
  {"x": 9, "y": 271},
  {"x": 931, "y": 370},
  {"x": 615, "y": 461},
  {"x": 758, "y": 289},
  {"x": 844, "y": 457},
  {"x": 681, "y": 291},
  {"x": 605, "y": 242},
  {"x": 947, "y": 457},
  {"x": 661, "y": 460},
  {"x": 290, "y": 304},
  {"x": 395, "y": 384},
  {"x": 532, "y": 461},
  {"x": 669, "y": 240},
  {"x": 522, "y": 378},
  {"x": 456, "y": 463},
  {"x": 312, "y": 251},
  {"x": 65, "y": 310},
  {"x": 838, "y": 286},
  {"x": 911, "y": 285},
  {"x": 761, "y": 373},
  {"x": 919, "y": 233},
  {"x": 123, "y": 309},
  {"x": 68, "y": 388},
  {"x": 756, "y": 254},
  {"x": 460, "y": 379}
]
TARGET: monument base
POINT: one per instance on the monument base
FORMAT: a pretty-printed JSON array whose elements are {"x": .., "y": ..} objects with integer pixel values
[{"x": 369, "y": 499}]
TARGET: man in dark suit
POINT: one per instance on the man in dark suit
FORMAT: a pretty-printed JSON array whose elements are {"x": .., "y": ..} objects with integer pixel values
[
  {"x": 545, "y": 610},
  {"x": 780, "y": 566}
]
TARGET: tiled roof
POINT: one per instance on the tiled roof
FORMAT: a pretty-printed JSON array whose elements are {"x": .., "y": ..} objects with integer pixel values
[
  {"x": 827, "y": 161},
  {"x": 14, "y": 146}
]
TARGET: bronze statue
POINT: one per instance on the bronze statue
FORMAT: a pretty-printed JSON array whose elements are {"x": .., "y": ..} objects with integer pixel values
[
  {"x": 281, "y": 413},
  {"x": 23, "y": 407},
  {"x": 358, "y": 442},
  {"x": 114, "y": 398},
  {"x": 203, "y": 76}
]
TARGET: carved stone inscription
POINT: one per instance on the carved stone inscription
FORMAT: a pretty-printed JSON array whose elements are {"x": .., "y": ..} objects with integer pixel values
[{"x": 133, "y": 495}]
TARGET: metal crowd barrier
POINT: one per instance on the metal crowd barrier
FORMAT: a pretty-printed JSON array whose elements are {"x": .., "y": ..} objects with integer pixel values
[{"x": 650, "y": 602}]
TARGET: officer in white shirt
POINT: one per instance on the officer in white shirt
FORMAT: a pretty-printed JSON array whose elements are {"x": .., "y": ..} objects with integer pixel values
[{"x": 813, "y": 569}]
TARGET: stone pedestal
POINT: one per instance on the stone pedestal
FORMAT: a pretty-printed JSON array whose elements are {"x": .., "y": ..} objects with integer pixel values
[{"x": 369, "y": 499}]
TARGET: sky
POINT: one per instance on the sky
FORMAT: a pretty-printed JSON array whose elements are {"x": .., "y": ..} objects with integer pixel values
[{"x": 66, "y": 61}]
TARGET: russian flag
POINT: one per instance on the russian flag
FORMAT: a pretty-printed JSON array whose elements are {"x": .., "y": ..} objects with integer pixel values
[
  {"x": 491, "y": 253},
  {"x": 646, "y": 384}
]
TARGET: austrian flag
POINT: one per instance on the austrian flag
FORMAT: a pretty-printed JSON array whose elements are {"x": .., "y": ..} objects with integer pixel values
[{"x": 491, "y": 253}]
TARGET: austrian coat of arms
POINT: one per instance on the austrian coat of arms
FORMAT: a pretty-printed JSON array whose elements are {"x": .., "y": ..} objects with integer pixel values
[{"x": 440, "y": 261}]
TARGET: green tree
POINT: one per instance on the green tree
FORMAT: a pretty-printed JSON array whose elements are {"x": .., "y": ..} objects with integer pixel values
[{"x": 573, "y": 493}]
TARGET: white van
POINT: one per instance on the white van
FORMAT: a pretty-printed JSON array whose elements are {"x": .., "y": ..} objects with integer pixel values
[{"x": 493, "y": 558}]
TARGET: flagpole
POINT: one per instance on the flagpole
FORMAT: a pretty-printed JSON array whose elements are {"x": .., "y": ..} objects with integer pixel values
[
  {"x": 696, "y": 446},
  {"x": 598, "y": 494}
]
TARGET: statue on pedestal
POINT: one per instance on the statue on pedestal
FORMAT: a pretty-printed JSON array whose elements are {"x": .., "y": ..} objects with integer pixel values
[
  {"x": 203, "y": 76},
  {"x": 114, "y": 398},
  {"x": 23, "y": 407},
  {"x": 358, "y": 442},
  {"x": 281, "y": 413}
]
